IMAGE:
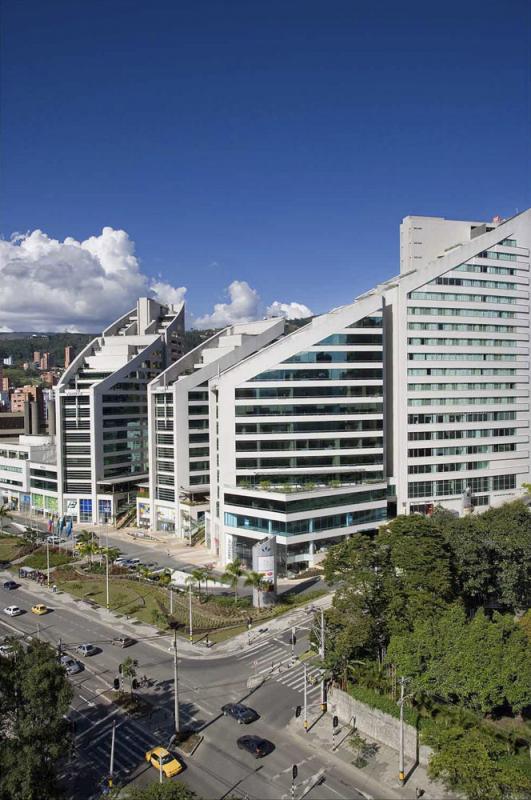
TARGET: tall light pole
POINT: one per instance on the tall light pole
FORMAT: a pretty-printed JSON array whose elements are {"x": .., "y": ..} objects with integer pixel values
[
  {"x": 322, "y": 642},
  {"x": 175, "y": 686},
  {"x": 305, "y": 699},
  {"x": 401, "y": 774},
  {"x": 111, "y": 765},
  {"x": 190, "y": 635},
  {"x": 47, "y": 562},
  {"x": 170, "y": 590}
]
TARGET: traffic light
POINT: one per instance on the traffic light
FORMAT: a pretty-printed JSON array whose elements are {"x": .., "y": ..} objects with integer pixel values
[
  {"x": 335, "y": 722},
  {"x": 294, "y": 772},
  {"x": 116, "y": 684},
  {"x": 134, "y": 683},
  {"x": 120, "y": 668},
  {"x": 298, "y": 711},
  {"x": 293, "y": 639}
]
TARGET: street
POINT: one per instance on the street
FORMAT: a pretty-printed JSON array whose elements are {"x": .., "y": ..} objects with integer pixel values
[{"x": 217, "y": 769}]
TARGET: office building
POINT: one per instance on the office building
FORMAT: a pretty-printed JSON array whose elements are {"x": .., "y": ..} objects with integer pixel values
[
  {"x": 415, "y": 394},
  {"x": 69, "y": 355},
  {"x": 101, "y": 412},
  {"x": 176, "y": 496}
]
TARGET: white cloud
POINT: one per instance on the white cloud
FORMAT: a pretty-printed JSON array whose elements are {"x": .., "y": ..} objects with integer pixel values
[
  {"x": 244, "y": 306},
  {"x": 288, "y": 310},
  {"x": 167, "y": 294},
  {"x": 50, "y": 285},
  {"x": 4, "y": 329}
]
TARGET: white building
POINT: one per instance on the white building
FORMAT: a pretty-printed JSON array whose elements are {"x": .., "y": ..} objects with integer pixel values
[
  {"x": 28, "y": 474},
  {"x": 415, "y": 394},
  {"x": 101, "y": 412},
  {"x": 176, "y": 496}
]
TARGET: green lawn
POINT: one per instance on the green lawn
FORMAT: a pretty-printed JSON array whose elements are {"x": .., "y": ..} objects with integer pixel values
[
  {"x": 38, "y": 559},
  {"x": 11, "y": 547},
  {"x": 141, "y": 600}
]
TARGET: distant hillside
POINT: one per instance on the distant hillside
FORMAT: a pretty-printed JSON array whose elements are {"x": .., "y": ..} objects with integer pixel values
[{"x": 21, "y": 345}]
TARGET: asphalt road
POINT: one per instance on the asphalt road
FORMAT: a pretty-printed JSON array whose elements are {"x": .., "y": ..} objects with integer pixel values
[{"x": 218, "y": 768}]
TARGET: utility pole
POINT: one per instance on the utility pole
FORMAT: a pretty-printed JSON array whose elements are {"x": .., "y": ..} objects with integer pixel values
[
  {"x": 171, "y": 599},
  {"x": 160, "y": 769},
  {"x": 305, "y": 699},
  {"x": 293, "y": 640},
  {"x": 190, "y": 635},
  {"x": 323, "y": 693},
  {"x": 401, "y": 774},
  {"x": 107, "y": 578},
  {"x": 322, "y": 642},
  {"x": 111, "y": 765},
  {"x": 48, "y": 562},
  {"x": 175, "y": 686}
]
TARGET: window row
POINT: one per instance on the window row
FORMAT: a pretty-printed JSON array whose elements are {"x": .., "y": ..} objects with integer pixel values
[
  {"x": 311, "y": 461},
  {"x": 307, "y": 504},
  {"x": 444, "y": 342},
  {"x": 472, "y": 283},
  {"x": 485, "y": 433},
  {"x": 299, "y": 392},
  {"x": 308, "y": 410},
  {"x": 447, "y": 297},
  {"x": 300, "y": 444},
  {"x": 457, "y": 371},
  {"x": 459, "y": 485},
  {"x": 319, "y": 374},
  {"x": 461, "y": 450},
  {"x": 463, "y": 401},
  {"x": 459, "y": 312},
  {"x": 458, "y": 387},
  {"x": 486, "y": 269},
  {"x": 302, "y": 526},
  {"x": 462, "y": 356},
  {"x": 460, "y": 326},
  {"x": 315, "y": 426},
  {"x": 334, "y": 357}
]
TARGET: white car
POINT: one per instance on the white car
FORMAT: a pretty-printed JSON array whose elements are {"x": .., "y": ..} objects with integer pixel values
[
  {"x": 87, "y": 650},
  {"x": 6, "y": 650},
  {"x": 70, "y": 664},
  {"x": 55, "y": 540},
  {"x": 13, "y": 611}
]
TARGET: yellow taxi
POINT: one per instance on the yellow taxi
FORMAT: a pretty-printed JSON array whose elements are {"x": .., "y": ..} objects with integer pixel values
[
  {"x": 39, "y": 608},
  {"x": 170, "y": 765}
]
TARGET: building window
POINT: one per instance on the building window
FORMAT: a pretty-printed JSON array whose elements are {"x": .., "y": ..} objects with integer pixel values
[{"x": 85, "y": 510}]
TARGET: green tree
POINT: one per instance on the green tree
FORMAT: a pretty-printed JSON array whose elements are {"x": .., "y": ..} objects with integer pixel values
[
  {"x": 491, "y": 556},
  {"x": 197, "y": 576},
  {"x": 4, "y": 516},
  {"x": 419, "y": 579},
  {"x": 129, "y": 671},
  {"x": 257, "y": 581},
  {"x": 473, "y": 761},
  {"x": 162, "y": 791},
  {"x": 484, "y": 664},
  {"x": 208, "y": 576},
  {"x": 232, "y": 575},
  {"x": 35, "y": 696}
]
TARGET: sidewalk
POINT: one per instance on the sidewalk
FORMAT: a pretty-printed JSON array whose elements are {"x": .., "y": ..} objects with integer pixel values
[{"x": 381, "y": 770}]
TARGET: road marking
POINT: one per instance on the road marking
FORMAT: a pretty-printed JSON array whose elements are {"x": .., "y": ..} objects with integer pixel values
[{"x": 88, "y": 702}]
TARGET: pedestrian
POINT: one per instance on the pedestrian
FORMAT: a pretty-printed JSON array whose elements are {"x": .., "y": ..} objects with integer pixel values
[{"x": 54, "y": 588}]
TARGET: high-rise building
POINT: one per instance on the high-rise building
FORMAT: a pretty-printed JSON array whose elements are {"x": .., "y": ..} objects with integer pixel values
[
  {"x": 176, "y": 496},
  {"x": 69, "y": 355},
  {"x": 414, "y": 395},
  {"x": 101, "y": 411}
]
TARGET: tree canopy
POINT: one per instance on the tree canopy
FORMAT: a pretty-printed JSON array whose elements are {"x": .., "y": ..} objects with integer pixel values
[{"x": 34, "y": 699}]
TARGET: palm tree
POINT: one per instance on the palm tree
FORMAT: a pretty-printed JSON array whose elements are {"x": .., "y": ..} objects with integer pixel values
[
  {"x": 129, "y": 670},
  {"x": 4, "y": 514},
  {"x": 198, "y": 575},
  {"x": 258, "y": 582},
  {"x": 110, "y": 553},
  {"x": 232, "y": 574},
  {"x": 88, "y": 549},
  {"x": 208, "y": 575}
]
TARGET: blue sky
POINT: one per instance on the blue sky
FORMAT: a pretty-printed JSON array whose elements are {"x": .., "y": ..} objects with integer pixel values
[{"x": 275, "y": 143}]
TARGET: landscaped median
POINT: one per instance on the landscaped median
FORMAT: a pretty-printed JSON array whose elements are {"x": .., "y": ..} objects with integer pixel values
[{"x": 131, "y": 596}]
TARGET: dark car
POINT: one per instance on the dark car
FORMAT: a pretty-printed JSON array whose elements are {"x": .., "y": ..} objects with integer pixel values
[
  {"x": 242, "y": 714},
  {"x": 255, "y": 745},
  {"x": 10, "y": 585},
  {"x": 123, "y": 641}
]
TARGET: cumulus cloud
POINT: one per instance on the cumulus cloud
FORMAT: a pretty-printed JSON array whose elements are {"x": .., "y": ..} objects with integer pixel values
[
  {"x": 167, "y": 294},
  {"x": 49, "y": 285},
  {"x": 288, "y": 310},
  {"x": 243, "y": 306}
]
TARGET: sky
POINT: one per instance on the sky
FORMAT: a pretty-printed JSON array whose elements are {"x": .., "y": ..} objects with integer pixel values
[{"x": 249, "y": 157}]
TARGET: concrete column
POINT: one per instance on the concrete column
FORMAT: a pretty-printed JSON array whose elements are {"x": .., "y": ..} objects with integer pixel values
[
  {"x": 51, "y": 417},
  {"x": 34, "y": 418},
  {"x": 27, "y": 417}
]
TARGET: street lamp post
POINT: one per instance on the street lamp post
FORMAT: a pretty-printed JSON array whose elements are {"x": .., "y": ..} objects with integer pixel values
[
  {"x": 175, "y": 686},
  {"x": 47, "y": 563},
  {"x": 305, "y": 699},
  {"x": 190, "y": 635}
]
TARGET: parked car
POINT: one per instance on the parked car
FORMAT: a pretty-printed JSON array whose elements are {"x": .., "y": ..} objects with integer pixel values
[
  {"x": 87, "y": 650},
  {"x": 255, "y": 745},
  {"x": 6, "y": 650},
  {"x": 70, "y": 664},
  {"x": 160, "y": 756},
  {"x": 39, "y": 608},
  {"x": 121, "y": 560},
  {"x": 123, "y": 641},
  {"x": 10, "y": 585},
  {"x": 13, "y": 611},
  {"x": 55, "y": 539},
  {"x": 242, "y": 714}
]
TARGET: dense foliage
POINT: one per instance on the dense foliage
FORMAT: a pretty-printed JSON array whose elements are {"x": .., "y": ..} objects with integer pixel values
[
  {"x": 34, "y": 698},
  {"x": 442, "y": 602}
]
